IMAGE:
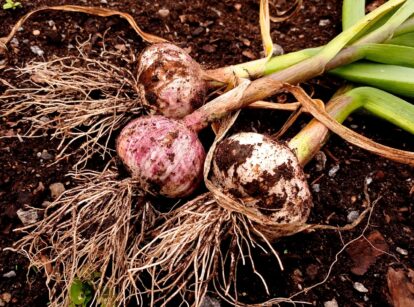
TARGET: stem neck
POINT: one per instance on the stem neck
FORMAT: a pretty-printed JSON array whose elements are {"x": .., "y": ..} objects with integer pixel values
[
  {"x": 331, "y": 56},
  {"x": 386, "y": 106}
]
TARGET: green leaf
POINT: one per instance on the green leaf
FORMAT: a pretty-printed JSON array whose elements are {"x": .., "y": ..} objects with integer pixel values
[
  {"x": 392, "y": 78},
  {"x": 80, "y": 292},
  {"x": 7, "y": 6},
  {"x": 352, "y": 12}
]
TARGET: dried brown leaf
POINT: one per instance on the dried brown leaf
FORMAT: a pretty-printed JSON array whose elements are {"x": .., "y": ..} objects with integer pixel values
[{"x": 400, "y": 287}]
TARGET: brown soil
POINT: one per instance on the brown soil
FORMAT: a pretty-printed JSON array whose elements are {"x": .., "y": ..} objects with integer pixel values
[{"x": 218, "y": 33}]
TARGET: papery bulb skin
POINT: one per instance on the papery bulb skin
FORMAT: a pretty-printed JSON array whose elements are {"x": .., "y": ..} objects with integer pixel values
[
  {"x": 265, "y": 175},
  {"x": 162, "y": 154},
  {"x": 172, "y": 80}
]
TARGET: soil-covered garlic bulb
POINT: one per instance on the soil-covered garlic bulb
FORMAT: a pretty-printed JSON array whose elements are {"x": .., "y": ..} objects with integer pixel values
[
  {"x": 163, "y": 155},
  {"x": 264, "y": 174},
  {"x": 172, "y": 80}
]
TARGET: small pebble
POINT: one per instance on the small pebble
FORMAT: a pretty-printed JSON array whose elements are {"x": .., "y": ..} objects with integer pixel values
[
  {"x": 51, "y": 23},
  {"x": 238, "y": 6},
  {"x": 333, "y": 170},
  {"x": 10, "y": 274},
  {"x": 324, "y": 22},
  {"x": 353, "y": 199},
  {"x": 198, "y": 31},
  {"x": 331, "y": 303},
  {"x": 36, "y": 50},
  {"x": 27, "y": 216},
  {"x": 104, "y": 2},
  {"x": 352, "y": 216},
  {"x": 56, "y": 189},
  {"x": 163, "y": 12},
  {"x": 316, "y": 187},
  {"x": 360, "y": 287},
  {"x": 44, "y": 119},
  {"x": 320, "y": 157},
  {"x": 36, "y": 32},
  {"x": 368, "y": 180},
  {"x": 402, "y": 251},
  {"x": 45, "y": 155},
  {"x": 249, "y": 54},
  {"x": 246, "y": 42},
  {"x": 15, "y": 41},
  {"x": 209, "y": 48},
  {"x": 277, "y": 50}
]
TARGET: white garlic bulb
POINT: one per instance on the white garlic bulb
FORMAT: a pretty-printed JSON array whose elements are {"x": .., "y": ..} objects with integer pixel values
[{"x": 264, "y": 174}]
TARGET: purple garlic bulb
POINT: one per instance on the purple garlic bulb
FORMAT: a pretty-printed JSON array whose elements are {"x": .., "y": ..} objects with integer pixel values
[
  {"x": 172, "y": 80},
  {"x": 265, "y": 174},
  {"x": 164, "y": 155}
]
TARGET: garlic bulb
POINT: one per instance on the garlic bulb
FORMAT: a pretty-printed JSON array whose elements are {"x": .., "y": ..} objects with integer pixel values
[
  {"x": 172, "y": 80},
  {"x": 163, "y": 155},
  {"x": 264, "y": 174}
]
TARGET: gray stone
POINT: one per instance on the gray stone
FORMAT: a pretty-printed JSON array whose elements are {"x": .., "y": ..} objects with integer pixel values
[
  {"x": 402, "y": 251},
  {"x": 360, "y": 287},
  {"x": 9, "y": 275},
  {"x": 352, "y": 216},
  {"x": 27, "y": 216},
  {"x": 209, "y": 301},
  {"x": 36, "y": 50}
]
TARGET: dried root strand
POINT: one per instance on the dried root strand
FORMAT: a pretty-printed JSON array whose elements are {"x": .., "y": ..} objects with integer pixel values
[
  {"x": 76, "y": 99},
  {"x": 85, "y": 235}
]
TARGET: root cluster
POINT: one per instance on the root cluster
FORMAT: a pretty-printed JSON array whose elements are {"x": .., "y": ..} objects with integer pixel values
[
  {"x": 77, "y": 100},
  {"x": 86, "y": 234}
]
